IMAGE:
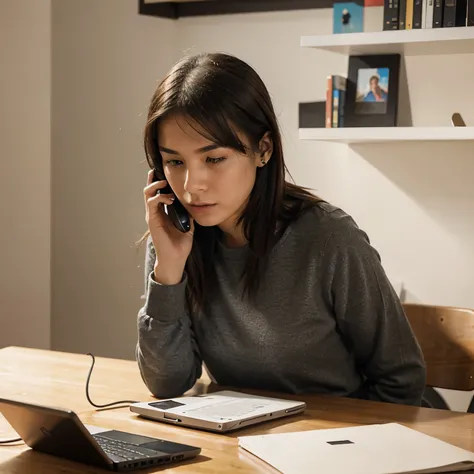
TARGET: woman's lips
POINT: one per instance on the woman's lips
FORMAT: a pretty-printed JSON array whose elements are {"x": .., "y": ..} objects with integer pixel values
[{"x": 201, "y": 208}]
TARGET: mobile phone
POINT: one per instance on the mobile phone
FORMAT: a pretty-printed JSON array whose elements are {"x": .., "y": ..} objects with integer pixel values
[{"x": 176, "y": 212}]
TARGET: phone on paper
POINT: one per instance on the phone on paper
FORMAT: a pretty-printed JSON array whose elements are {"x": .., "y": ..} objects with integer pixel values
[{"x": 176, "y": 212}]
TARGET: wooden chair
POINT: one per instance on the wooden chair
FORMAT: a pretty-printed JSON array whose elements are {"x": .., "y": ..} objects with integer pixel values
[{"x": 446, "y": 337}]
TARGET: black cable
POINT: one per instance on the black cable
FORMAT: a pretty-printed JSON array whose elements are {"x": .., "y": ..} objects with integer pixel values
[
  {"x": 121, "y": 402},
  {"x": 7, "y": 441}
]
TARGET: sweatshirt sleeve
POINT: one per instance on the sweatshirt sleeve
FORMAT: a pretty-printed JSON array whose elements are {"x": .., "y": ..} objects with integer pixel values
[
  {"x": 371, "y": 319},
  {"x": 167, "y": 353}
]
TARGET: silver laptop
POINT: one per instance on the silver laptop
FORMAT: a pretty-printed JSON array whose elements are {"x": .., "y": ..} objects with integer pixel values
[{"x": 220, "y": 412}]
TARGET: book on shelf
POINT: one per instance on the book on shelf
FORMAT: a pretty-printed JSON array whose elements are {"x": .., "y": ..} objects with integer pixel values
[
  {"x": 470, "y": 13},
  {"x": 428, "y": 9},
  {"x": 417, "y": 14},
  {"x": 391, "y": 10},
  {"x": 335, "y": 100}
]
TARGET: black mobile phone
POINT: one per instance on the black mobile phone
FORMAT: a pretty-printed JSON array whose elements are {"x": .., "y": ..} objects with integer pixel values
[{"x": 176, "y": 212}]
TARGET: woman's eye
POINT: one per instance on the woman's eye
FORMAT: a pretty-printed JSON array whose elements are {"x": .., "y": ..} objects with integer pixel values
[
  {"x": 215, "y": 160},
  {"x": 174, "y": 162}
]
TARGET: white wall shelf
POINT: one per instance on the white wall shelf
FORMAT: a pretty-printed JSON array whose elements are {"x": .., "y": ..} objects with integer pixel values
[
  {"x": 459, "y": 40},
  {"x": 386, "y": 134}
]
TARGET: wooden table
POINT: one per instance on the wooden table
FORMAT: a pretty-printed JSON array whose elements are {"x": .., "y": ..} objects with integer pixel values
[{"x": 58, "y": 379}]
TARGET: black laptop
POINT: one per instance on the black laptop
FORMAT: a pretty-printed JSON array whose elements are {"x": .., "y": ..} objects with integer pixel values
[{"x": 61, "y": 433}]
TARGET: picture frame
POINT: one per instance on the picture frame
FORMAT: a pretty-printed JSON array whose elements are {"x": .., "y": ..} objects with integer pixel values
[{"x": 372, "y": 91}]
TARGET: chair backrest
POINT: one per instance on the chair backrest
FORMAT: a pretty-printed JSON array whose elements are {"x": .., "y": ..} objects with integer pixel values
[{"x": 446, "y": 337}]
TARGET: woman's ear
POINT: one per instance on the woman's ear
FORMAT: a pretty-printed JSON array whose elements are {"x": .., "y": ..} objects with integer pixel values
[{"x": 265, "y": 149}]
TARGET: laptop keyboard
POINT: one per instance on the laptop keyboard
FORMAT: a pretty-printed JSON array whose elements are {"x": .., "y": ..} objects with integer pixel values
[{"x": 126, "y": 451}]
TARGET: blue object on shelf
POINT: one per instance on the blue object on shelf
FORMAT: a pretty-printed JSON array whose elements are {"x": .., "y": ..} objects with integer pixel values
[{"x": 348, "y": 17}]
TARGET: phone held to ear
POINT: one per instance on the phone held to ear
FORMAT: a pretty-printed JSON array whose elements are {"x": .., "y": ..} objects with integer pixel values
[{"x": 176, "y": 212}]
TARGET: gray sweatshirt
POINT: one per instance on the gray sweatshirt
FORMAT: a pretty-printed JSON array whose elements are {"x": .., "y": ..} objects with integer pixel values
[{"x": 326, "y": 320}]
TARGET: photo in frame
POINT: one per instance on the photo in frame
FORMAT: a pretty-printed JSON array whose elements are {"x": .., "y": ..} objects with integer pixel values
[{"x": 372, "y": 91}]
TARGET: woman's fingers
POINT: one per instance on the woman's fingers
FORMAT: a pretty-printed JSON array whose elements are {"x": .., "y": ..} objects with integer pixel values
[
  {"x": 151, "y": 189},
  {"x": 150, "y": 177}
]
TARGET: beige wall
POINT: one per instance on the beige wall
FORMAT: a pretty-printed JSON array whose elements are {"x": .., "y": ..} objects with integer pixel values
[
  {"x": 106, "y": 62},
  {"x": 25, "y": 165}
]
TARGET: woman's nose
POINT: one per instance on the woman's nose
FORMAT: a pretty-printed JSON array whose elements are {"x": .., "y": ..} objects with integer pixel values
[{"x": 195, "y": 182}]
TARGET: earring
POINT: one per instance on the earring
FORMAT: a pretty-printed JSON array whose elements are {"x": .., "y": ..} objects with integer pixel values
[{"x": 263, "y": 162}]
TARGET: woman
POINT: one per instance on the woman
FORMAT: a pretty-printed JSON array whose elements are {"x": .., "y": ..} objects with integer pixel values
[{"x": 272, "y": 288}]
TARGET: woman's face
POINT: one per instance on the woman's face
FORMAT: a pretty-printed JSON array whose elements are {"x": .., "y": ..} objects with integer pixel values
[{"x": 213, "y": 183}]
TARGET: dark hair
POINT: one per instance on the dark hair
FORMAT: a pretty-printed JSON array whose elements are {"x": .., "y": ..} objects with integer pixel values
[
  {"x": 374, "y": 77},
  {"x": 224, "y": 95}
]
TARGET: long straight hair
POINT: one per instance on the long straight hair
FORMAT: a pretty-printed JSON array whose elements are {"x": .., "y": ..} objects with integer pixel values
[{"x": 224, "y": 96}]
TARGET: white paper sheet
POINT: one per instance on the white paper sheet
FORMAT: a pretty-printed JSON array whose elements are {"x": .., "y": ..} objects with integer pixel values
[{"x": 388, "y": 448}]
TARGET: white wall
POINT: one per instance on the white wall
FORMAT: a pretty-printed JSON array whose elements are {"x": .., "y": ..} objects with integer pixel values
[
  {"x": 416, "y": 202},
  {"x": 107, "y": 61},
  {"x": 25, "y": 165}
]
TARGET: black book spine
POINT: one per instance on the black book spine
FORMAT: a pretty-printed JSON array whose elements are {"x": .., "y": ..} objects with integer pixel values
[
  {"x": 454, "y": 13},
  {"x": 438, "y": 10},
  {"x": 417, "y": 13},
  {"x": 402, "y": 11},
  {"x": 461, "y": 13},
  {"x": 470, "y": 13},
  {"x": 449, "y": 13},
  {"x": 390, "y": 15}
]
